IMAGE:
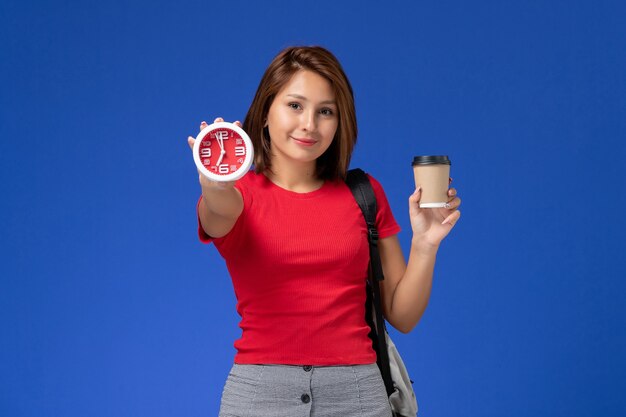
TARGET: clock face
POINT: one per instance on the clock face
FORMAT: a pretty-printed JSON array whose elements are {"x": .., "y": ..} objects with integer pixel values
[{"x": 223, "y": 152}]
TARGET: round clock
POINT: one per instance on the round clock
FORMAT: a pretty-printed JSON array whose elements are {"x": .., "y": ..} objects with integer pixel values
[{"x": 223, "y": 152}]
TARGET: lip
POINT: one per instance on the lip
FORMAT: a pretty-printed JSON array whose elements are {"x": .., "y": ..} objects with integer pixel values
[{"x": 304, "y": 141}]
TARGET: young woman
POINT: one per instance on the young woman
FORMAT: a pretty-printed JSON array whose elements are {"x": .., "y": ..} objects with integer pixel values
[{"x": 295, "y": 244}]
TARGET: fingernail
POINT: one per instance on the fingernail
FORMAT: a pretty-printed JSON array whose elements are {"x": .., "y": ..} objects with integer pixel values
[{"x": 447, "y": 205}]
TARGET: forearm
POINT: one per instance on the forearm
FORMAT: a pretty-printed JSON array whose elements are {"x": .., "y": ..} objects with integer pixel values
[
  {"x": 412, "y": 293},
  {"x": 219, "y": 209},
  {"x": 223, "y": 202}
]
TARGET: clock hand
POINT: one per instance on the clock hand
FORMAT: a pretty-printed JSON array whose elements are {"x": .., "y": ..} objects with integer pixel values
[
  {"x": 222, "y": 153},
  {"x": 218, "y": 137}
]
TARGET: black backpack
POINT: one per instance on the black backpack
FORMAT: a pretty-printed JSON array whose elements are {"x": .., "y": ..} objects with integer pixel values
[{"x": 404, "y": 398}]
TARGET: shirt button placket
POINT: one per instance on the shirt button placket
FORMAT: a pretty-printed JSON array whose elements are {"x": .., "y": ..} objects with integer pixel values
[{"x": 306, "y": 396}]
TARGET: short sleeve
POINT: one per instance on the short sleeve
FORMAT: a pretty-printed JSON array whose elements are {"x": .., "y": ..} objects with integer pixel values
[{"x": 385, "y": 222}]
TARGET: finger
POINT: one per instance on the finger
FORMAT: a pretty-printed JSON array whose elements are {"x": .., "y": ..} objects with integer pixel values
[
  {"x": 191, "y": 141},
  {"x": 449, "y": 180},
  {"x": 238, "y": 123},
  {"x": 453, "y": 218},
  {"x": 203, "y": 125},
  {"x": 452, "y": 192},
  {"x": 453, "y": 204},
  {"x": 414, "y": 201},
  {"x": 218, "y": 120}
]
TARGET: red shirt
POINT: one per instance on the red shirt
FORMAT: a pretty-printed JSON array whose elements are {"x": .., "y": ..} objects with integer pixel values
[{"x": 298, "y": 262}]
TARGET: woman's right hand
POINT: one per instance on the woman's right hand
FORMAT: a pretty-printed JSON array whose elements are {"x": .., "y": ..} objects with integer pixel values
[
  {"x": 221, "y": 203},
  {"x": 206, "y": 183}
]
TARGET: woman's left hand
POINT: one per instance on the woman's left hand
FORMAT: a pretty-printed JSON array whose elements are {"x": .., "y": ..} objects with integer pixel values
[{"x": 431, "y": 225}]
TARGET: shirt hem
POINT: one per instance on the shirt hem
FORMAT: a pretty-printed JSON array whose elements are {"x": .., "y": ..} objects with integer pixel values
[{"x": 365, "y": 360}]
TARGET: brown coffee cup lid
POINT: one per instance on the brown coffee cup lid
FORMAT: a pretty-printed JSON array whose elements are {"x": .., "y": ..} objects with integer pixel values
[{"x": 431, "y": 160}]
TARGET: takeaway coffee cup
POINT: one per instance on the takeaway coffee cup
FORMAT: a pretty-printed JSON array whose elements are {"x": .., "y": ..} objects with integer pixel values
[{"x": 432, "y": 173}]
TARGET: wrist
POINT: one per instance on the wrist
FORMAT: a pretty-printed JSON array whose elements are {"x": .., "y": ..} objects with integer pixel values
[
  {"x": 210, "y": 195},
  {"x": 423, "y": 247},
  {"x": 215, "y": 189},
  {"x": 218, "y": 198}
]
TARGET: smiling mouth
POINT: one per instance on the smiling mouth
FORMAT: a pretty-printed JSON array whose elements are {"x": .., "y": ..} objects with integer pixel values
[{"x": 304, "y": 141}]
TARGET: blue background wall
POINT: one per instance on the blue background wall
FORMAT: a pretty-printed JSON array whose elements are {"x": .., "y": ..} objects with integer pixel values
[{"x": 111, "y": 307}]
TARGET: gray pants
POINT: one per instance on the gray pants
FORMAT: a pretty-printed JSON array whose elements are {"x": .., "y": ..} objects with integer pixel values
[{"x": 294, "y": 391}]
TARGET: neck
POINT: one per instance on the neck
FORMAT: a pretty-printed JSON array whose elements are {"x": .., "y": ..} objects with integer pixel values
[{"x": 294, "y": 176}]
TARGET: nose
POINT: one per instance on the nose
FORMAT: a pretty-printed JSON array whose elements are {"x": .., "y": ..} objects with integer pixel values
[{"x": 309, "y": 120}]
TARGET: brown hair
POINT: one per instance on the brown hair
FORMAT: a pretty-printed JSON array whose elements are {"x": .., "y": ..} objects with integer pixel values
[{"x": 334, "y": 162}]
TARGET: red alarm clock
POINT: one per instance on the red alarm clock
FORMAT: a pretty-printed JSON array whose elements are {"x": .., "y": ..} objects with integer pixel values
[{"x": 223, "y": 152}]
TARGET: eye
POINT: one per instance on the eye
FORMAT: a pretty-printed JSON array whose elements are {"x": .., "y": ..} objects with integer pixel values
[
  {"x": 295, "y": 106},
  {"x": 327, "y": 112}
]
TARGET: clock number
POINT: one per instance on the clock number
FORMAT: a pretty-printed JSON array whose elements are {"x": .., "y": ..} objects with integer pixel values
[
  {"x": 223, "y": 169},
  {"x": 240, "y": 150},
  {"x": 205, "y": 153},
  {"x": 221, "y": 135}
]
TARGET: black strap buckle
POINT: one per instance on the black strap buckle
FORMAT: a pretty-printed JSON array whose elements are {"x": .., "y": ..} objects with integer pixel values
[{"x": 373, "y": 234}]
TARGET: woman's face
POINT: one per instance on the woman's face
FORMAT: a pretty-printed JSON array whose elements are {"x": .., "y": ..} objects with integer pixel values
[{"x": 302, "y": 119}]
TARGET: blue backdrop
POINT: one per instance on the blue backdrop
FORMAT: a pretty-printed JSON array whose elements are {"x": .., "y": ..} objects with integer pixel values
[{"x": 111, "y": 307}]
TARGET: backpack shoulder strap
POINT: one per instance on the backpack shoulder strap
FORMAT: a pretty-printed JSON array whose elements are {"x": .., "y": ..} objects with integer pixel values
[{"x": 363, "y": 192}]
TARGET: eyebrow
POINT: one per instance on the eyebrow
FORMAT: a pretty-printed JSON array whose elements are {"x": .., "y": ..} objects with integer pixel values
[{"x": 299, "y": 97}]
